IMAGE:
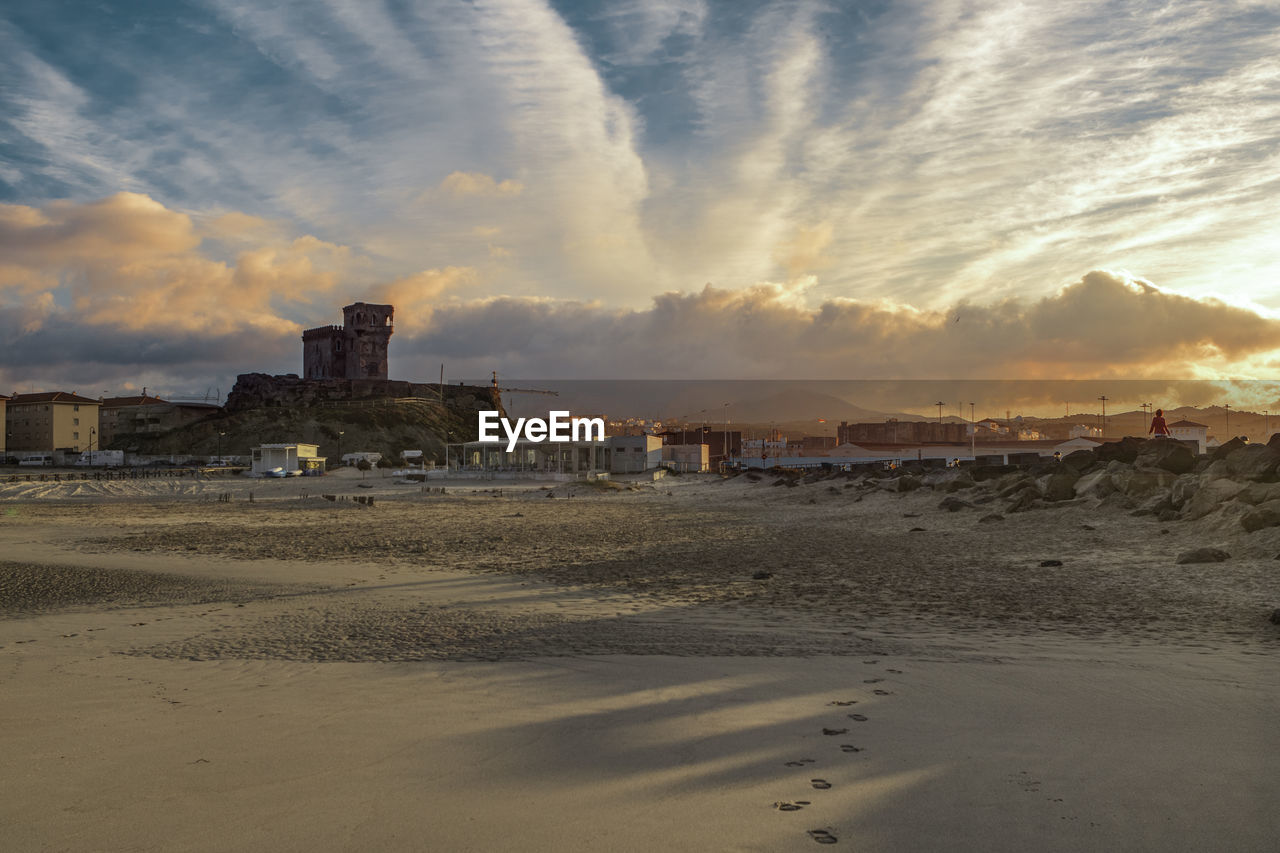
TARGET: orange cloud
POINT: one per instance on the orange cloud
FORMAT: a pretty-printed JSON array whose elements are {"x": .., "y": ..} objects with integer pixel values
[
  {"x": 128, "y": 261},
  {"x": 478, "y": 184}
]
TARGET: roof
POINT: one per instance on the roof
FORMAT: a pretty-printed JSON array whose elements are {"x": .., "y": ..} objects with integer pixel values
[
  {"x": 1187, "y": 423},
  {"x": 140, "y": 400},
  {"x": 50, "y": 397}
]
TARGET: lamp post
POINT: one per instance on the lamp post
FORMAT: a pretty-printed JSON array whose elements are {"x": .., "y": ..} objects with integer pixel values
[
  {"x": 341, "y": 433},
  {"x": 220, "y": 435},
  {"x": 1103, "y": 398},
  {"x": 973, "y": 435},
  {"x": 726, "y": 437},
  {"x": 93, "y": 433}
]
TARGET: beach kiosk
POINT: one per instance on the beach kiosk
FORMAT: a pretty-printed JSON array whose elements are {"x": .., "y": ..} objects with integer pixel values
[{"x": 287, "y": 460}]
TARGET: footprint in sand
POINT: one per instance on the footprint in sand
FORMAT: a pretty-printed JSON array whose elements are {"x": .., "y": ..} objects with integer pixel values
[
  {"x": 871, "y": 661},
  {"x": 848, "y": 747},
  {"x": 826, "y": 731},
  {"x": 844, "y": 703},
  {"x": 879, "y": 692},
  {"x": 861, "y": 718},
  {"x": 822, "y": 836},
  {"x": 820, "y": 784},
  {"x": 894, "y": 671},
  {"x": 788, "y": 807},
  {"x": 872, "y": 680},
  {"x": 801, "y": 763},
  {"x": 138, "y": 624}
]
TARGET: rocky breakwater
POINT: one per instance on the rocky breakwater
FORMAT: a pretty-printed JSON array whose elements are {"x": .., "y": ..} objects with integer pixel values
[{"x": 1239, "y": 482}]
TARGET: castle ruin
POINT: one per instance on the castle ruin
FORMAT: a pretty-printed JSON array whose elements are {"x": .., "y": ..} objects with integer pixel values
[{"x": 355, "y": 350}]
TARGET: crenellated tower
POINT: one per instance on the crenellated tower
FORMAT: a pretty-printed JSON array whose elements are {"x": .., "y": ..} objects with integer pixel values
[{"x": 355, "y": 350}]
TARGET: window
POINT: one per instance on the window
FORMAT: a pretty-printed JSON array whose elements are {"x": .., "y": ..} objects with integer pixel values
[
  {"x": 75, "y": 422},
  {"x": 76, "y": 407},
  {"x": 76, "y": 436}
]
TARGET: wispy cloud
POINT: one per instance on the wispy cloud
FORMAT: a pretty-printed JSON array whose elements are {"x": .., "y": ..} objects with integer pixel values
[{"x": 920, "y": 153}]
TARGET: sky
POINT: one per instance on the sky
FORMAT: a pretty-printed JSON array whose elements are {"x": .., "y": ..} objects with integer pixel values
[{"x": 647, "y": 189}]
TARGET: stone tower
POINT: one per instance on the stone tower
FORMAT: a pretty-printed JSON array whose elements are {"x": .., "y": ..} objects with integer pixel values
[{"x": 355, "y": 350}]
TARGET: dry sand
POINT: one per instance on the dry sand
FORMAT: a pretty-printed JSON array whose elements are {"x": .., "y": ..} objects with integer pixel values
[{"x": 611, "y": 669}]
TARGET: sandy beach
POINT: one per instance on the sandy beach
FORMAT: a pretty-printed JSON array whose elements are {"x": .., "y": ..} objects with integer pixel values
[{"x": 691, "y": 664}]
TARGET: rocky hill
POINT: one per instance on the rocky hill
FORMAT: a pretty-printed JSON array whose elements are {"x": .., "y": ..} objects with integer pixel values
[{"x": 386, "y": 417}]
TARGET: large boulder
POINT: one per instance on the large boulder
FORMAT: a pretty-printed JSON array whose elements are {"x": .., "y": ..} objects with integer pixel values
[
  {"x": 1263, "y": 515},
  {"x": 908, "y": 483},
  {"x": 1184, "y": 488},
  {"x": 1138, "y": 482},
  {"x": 1079, "y": 460},
  {"x": 1225, "y": 450},
  {"x": 1259, "y": 493},
  {"x": 1095, "y": 484},
  {"x": 951, "y": 503},
  {"x": 1124, "y": 450},
  {"x": 1013, "y": 485},
  {"x": 1253, "y": 462},
  {"x": 1210, "y": 496},
  {"x": 1173, "y": 456},
  {"x": 1060, "y": 485},
  {"x": 1024, "y": 500}
]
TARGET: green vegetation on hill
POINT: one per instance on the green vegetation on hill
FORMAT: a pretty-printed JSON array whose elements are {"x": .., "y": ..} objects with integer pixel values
[{"x": 383, "y": 427}]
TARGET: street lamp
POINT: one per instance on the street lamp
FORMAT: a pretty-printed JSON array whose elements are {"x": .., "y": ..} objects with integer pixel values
[
  {"x": 341, "y": 433},
  {"x": 726, "y": 437},
  {"x": 973, "y": 434},
  {"x": 220, "y": 435},
  {"x": 93, "y": 433}
]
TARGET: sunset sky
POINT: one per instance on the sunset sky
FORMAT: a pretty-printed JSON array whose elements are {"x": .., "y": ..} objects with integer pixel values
[{"x": 640, "y": 188}]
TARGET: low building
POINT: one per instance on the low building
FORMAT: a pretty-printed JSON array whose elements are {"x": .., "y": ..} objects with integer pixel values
[
  {"x": 144, "y": 414},
  {"x": 354, "y": 459},
  {"x": 1084, "y": 431},
  {"x": 1185, "y": 430},
  {"x": 635, "y": 454},
  {"x": 51, "y": 420},
  {"x": 536, "y": 457},
  {"x": 290, "y": 459},
  {"x": 723, "y": 444},
  {"x": 686, "y": 458},
  {"x": 894, "y": 431}
]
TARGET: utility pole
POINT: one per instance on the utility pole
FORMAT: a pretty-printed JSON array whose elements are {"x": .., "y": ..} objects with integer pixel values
[
  {"x": 973, "y": 434},
  {"x": 1226, "y": 427},
  {"x": 939, "y": 404},
  {"x": 1146, "y": 415},
  {"x": 726, "y": 435},
  {"x": 1103, "y": 398}
]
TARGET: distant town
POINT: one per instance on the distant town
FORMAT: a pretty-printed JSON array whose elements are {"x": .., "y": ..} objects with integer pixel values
[{"x": 344, "y": 410}]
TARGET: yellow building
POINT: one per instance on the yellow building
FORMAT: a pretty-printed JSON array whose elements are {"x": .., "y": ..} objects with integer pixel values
[{"x": 53, "y": 420}]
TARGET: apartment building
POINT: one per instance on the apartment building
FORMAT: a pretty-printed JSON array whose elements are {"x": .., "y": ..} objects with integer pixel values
[{"x": 51, "y": 420}]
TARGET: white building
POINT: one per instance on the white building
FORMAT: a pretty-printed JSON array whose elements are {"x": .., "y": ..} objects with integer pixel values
[
  {"x": 370, "y": 456},
  {"x": 634, "y": 454},
  {"x": 1190, "y": 431},
  {"x": 1085, "y": 431},
  {"x": 290, "y": 460}
]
